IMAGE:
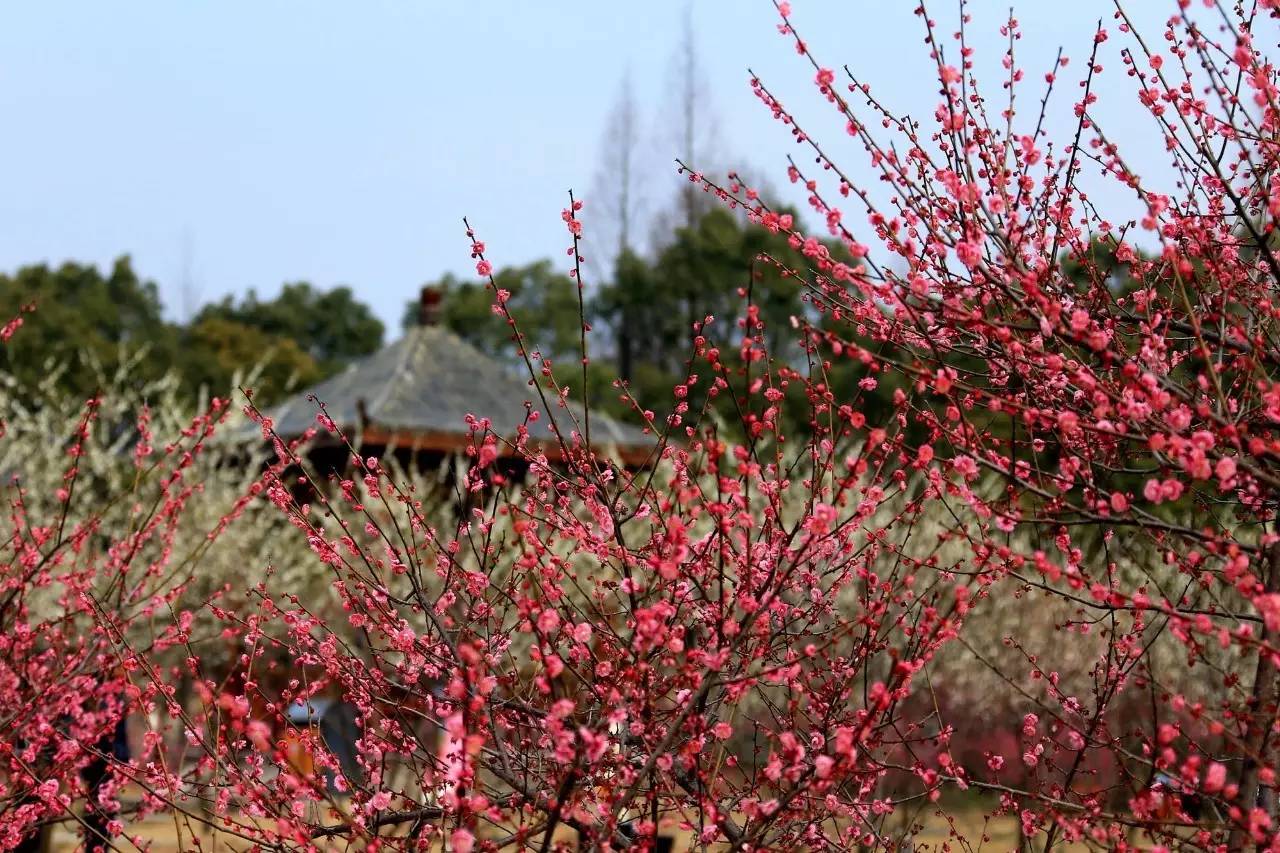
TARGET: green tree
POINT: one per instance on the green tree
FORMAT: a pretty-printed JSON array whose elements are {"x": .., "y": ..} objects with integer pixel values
[
  {"x": 331, "y": 326},
  {"x": 87, "y": 323},
  {"x": 713, "y": 268},
  {"x": 218, "y": 351},
  {"x": 543, "y": 301},
  {"x": 643, "y": 317}
]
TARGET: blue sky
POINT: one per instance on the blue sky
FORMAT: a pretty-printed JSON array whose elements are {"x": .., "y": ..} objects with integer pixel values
[{"x": 234, "y": 144}]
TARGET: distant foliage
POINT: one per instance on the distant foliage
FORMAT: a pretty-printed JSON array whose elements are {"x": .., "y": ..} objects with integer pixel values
[
  {"x": 330, "y": 327},
  {"x": 641, "y": 317},
  {"x": 88, "y": 320},
  {"x": 93, "y": 323}
]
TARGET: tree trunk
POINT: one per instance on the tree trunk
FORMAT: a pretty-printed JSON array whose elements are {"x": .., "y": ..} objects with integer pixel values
[{"x": 626, "y": 345}]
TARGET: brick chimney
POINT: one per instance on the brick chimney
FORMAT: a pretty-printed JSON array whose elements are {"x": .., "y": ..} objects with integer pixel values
[{"x": 429, "y": 306}]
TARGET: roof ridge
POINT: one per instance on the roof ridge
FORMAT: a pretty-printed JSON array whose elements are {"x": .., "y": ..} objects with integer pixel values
[{"x": 428, "y": 380}]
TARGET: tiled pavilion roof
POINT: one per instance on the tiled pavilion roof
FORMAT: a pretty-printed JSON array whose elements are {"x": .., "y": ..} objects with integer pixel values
[{"x": 418, "y": 391}]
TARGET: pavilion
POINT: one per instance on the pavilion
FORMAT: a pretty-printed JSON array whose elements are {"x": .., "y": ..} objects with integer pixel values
[{"x": 412, "y": 398}]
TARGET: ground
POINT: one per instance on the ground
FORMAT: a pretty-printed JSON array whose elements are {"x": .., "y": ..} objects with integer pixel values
[{"x": 161, "y": 834}]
